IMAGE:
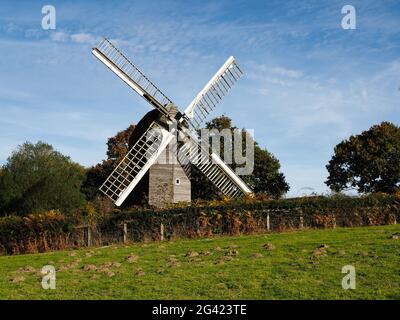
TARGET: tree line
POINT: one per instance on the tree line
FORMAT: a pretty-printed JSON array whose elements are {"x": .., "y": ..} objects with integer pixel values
[{"x": 38, "y": 178}]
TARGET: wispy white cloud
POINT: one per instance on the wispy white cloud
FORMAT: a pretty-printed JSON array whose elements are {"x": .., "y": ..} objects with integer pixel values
[
  {"x": 287, "y": 72},
  {"x": 59, "y": 36},
  {"x": 83, "y": 38}
]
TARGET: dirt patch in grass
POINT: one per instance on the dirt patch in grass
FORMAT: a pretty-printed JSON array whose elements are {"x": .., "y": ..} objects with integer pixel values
[
  {"x": 256, "y": 255},
  {"x": 269, "y": 246},
  {"x": 89, "y": 254},
  {"x": 132, "y": 258},
  {"x": 172, "y": 262},
  {"x": 231, "y": 252},
  {"x": 17, "y": 279},
  {"x": 192, "y": 254},
  {"x": 89, "y": 267},
  {"x": 70, "y": 265},
  {"x": 139, "y": 273},
  {"x": 238, "y": 272},
  {"x": 27, "y": 269},
  {"x": 320, "y": 251}
]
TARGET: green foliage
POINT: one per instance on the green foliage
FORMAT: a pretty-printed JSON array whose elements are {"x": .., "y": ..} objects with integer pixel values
[
  {"x": 37, "y": 232},
  {"x": 265, "y": 177},
  {"x": 205, "y": 219},
  {"x": 51, "y": 231},
  {"x": 95, "y": 177},
  {"x": 290, "y": 271},
  {"x": 220, "y": 123},
  {"x": 368, "y": 162},
  {"x": 117, "y": 148},
  {"x": 38, "y": 178}
]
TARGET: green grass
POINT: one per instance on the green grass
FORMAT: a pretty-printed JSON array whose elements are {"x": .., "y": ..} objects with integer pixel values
[{"x": 290, "y": 271}]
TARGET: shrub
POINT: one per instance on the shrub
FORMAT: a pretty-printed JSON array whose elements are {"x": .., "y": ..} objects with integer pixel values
[
  {"x": 34, "y": 233},
  {"x": 37, "y": 178},
  {"x": 52, "y": 231}
]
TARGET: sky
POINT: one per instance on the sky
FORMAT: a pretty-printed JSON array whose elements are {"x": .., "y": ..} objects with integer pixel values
[{"x": 308, "y": 82}]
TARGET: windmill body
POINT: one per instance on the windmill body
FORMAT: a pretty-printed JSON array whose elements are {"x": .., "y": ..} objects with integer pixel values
[
  {"x": 167, "y": 134},
  {"x": 166, "y": 181}
]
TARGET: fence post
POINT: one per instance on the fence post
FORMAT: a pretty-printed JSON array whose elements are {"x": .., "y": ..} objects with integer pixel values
[
  {"x": 197, "y": 217},
  {"x": 125, "y": 232},
  {"x": 268, "y": 226},
  {"x": 162, "y": 231},
  {"x": 301, "y": 222},
  {"x": 89, "y": 236}
]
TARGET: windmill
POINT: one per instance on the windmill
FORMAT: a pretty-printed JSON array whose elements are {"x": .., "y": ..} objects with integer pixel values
[{"x": 160, "y": 126}]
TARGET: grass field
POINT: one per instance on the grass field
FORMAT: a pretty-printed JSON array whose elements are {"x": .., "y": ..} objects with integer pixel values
[{"x": 291, "y": 267}]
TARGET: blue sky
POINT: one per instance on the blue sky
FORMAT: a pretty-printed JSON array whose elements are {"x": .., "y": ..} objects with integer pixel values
[{"x": 308, "y": 83}]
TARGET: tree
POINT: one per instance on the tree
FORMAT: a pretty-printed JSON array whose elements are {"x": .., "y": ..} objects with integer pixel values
[
  {"x": 117, "y": 148},
  {"x": 265, "y": 177},
  {"x": 368, "y": 162},
  {"x": 38, "y": 178}
]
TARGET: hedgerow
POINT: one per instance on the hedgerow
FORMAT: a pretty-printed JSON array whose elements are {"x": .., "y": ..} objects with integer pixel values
[
  {"x": 53, "y": 231},
  {"x": 248, "y": 215},
  {"x": 34, "y": 233}
]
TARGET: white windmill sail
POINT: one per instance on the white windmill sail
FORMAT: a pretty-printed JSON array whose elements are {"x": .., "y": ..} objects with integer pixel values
[
  {"x": 212, "y": 93},
  {"x": 153, "y": 142},
  {"x": 214, "y": 168},
  {"x": 136, "y": 162},
  {"x": 210, "y": 164},
  {"x": 113, "y": 58}
]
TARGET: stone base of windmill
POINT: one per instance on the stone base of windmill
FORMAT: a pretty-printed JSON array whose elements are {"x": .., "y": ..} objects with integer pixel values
[{"x": 168, "y": 182}]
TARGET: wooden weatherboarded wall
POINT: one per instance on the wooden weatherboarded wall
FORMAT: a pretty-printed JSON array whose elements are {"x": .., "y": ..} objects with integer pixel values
[{"x": 168, "y": 182}]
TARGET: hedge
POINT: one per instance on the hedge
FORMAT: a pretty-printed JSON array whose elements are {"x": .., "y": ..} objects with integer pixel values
[
  {"x": 52, "y": 231},
  {"x": 249, "y": 216},
  {"x": 34, "y": 233}
]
